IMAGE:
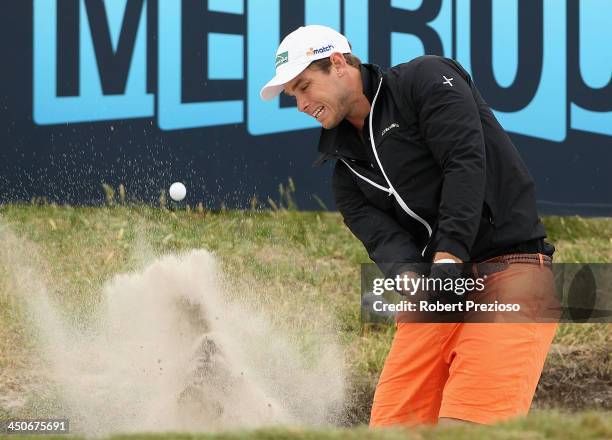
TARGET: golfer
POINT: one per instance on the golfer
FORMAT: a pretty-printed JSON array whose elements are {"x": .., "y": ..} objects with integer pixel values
[{"x": 425, "y": 173}]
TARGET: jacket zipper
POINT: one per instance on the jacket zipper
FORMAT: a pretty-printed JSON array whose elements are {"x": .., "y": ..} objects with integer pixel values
[{"x": 392, "y": 190}]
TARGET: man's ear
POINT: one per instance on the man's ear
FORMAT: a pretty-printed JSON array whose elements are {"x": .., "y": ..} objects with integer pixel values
[{"x": 338, "y": 63}]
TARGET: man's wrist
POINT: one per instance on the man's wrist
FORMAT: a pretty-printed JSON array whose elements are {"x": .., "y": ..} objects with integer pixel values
[
  {"x": 439, "y": 256},
  {"x": 445, "y": 261}
]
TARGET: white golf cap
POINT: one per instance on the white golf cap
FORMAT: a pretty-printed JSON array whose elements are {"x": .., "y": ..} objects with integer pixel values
[{"x": 300, "y": 48}]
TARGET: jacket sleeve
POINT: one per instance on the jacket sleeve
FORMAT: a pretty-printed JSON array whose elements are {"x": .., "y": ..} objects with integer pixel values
[
  {"x": 388, "y": 244},
  {"x": 449, "y": 122}
]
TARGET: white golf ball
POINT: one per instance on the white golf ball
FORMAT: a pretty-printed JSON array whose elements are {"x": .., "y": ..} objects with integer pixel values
[{"x": 177, "y": 191}]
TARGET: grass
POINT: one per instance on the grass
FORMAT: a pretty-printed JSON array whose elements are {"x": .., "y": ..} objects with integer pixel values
[
  {"x": 549, "y": 425},
  {"x": 307, "y": 257},
  {"x": 580, "y": 240}
]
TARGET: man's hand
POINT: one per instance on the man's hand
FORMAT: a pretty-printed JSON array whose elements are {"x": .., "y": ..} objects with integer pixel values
[
  {"x": 443, "y": 267},
  {"x": 453, "y": 272},
  {"x": 408, "y": 275},
  {"x": 431, "y": 290},
  {"x": 446, "y": 271}
]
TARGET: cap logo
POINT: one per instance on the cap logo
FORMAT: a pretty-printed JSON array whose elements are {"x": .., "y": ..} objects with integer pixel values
[
  {"x": 310, "y": 52},
  {"x": 282, "y": 58}
]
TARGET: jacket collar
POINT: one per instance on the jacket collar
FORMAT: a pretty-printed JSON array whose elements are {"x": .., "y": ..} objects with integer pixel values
[{"x": 340, "y": 141}]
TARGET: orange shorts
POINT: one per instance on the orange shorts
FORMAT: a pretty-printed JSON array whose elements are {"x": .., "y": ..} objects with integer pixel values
[{"x": 479, "y": 372}]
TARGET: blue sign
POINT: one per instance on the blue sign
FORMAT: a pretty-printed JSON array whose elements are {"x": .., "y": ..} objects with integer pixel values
[
  {"x": 528, "y": 63},
  {"x": 544, "y": 66}
]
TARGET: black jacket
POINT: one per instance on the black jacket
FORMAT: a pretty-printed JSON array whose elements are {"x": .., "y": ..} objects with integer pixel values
[{"x": 432, "y": 170}]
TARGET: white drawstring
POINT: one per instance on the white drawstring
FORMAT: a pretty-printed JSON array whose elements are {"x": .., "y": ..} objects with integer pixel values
[{"x": 371, "y": 182}]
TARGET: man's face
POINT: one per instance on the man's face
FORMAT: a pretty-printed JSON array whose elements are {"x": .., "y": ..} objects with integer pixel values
[{"x": 322, "y": 95}]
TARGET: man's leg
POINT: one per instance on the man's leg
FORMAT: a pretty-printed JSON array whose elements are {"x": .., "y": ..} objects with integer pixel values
[
  {"x": 409, "y": 391},
  {"x": 495, "y": 367}
]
